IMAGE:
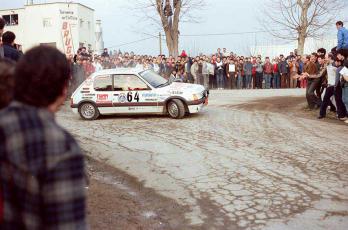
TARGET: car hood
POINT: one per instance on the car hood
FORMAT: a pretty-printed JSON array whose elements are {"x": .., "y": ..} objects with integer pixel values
[{"x": 178, "y": 86}]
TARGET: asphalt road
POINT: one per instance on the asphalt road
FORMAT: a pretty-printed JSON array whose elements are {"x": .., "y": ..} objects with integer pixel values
[{"x": 251, "y": 160}]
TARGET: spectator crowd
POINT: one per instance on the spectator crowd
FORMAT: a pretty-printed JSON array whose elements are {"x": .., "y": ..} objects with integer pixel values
[
  {"x": 221, "y": 70},
  {"x": 318, "y": 72}
]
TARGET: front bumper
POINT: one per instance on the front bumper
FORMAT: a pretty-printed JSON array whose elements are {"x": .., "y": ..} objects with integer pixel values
[
  {"x": 195, "y": 108},
  {"x": 197, "y": 105}
]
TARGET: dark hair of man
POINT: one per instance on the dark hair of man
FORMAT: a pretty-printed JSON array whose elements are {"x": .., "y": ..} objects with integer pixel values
[
  {"x": 41, "y": 76},
  {"x": 339, "y": 23},
  {"x": 2, "y": 23},
  {"x": 343, "y": 52},
  {"x": 322, "y": 51},
  {"x": 6, "y": 81},
  {"x": 8, "y": 37}
]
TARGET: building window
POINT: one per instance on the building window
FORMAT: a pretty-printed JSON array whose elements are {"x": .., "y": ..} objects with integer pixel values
[
  {"x": 11, "y": 19},
  {"x": 81, "y": 44},
  {"x": 89, "y": 47},
  {"x": 89, "y": 24},
  {"x": 81, "y": 23},
  {"x": 14, "y": 19},
  {"x": 47, "y": 22}
]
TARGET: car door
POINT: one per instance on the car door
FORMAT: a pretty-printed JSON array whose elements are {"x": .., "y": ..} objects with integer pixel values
[
  {"x": 133, "y": 95},
  {"x": 103, "y": 97}
]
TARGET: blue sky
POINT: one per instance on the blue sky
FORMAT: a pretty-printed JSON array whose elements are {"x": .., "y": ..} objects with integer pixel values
[{"x": 122, "y": 25}]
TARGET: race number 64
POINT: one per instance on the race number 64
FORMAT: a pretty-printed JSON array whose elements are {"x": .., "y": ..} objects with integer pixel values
[{"x": 130, "y": 97}]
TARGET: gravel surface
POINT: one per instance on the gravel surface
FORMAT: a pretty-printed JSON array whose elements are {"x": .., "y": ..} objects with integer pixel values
[{"x": 251, "y": 160}]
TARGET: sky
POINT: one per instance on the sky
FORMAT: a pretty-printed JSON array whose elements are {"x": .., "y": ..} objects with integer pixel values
[{"x": 122, "y": 24}]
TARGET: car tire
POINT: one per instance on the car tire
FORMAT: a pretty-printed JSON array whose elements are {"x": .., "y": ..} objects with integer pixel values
[
  {"x": 176, "y": 109},
  {"x": 88, "y": 111}
]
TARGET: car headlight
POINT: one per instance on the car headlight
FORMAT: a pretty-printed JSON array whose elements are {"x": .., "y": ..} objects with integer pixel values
[{"x": 195, "y": 97}]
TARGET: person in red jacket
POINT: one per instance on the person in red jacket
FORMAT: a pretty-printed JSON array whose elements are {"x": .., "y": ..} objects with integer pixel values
[
  {"x": 276, "y": 76},
  {"x": 267, "y": 72},
  {"x": 183, "y": 54},
  {"x": 88, "y": 67}
]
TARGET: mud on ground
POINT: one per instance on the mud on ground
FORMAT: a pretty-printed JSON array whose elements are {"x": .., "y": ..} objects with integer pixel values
[
  {"x": 293, "y": 106},
  {"x": 119, "y": 201}
]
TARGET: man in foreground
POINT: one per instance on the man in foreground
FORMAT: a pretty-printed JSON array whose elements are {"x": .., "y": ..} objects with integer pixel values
[
  {"x": 6, "y": 82},
  {"x": 2, "y": 26},
  {"x": 42, "y": 183}
]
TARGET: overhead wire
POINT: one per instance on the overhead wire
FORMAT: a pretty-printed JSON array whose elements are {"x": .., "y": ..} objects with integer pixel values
[
  {"x": 230, "y": 33},
  {"x": 194, "y": 35},
  {"x": 132, "y": 42}
]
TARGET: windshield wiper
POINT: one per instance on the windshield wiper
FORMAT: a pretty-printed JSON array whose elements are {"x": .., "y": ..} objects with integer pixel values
[{"x": 162, "y": 85}]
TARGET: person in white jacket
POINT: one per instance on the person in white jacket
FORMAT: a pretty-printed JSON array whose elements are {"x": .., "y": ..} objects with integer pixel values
[
  {"x": 97, "y": 65},
  {"x": 205, "y": 72},
  {"x": 194, "y": 69}
]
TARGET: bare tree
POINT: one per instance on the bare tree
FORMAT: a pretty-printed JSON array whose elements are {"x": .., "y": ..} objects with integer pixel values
[
  {"x": 300, "y": 19},
  {"x": 168, "y": 14}
]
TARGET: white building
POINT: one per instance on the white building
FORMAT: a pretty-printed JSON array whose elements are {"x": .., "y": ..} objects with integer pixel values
[
  {"x": 311, "y": 45},
  {"x": 66, "y": 26}
]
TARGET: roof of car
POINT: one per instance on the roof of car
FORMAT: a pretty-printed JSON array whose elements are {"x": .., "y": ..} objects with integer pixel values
[{"x": 119, "y": 71}]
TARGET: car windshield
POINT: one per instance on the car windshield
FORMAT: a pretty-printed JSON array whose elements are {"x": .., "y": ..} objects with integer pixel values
[{"x": 154, "y": 79}]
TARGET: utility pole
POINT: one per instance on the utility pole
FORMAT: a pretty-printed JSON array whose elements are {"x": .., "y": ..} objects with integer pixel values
[{"x": 160, "y": 42}]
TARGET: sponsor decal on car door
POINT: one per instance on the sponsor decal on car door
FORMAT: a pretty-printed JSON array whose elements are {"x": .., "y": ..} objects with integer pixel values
[
  {"x": 103, "y": 93},
  {"x": 133, "y": 95}
]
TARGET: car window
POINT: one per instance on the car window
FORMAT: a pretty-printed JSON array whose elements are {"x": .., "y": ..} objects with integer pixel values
[
  {"x": 103, "y": 83},
  {"x": 123, "y": 82},
  {"x": 153, "y": 78}
]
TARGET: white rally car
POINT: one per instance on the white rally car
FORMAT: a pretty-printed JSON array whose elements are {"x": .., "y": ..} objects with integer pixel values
[{"x": 134, "y": 91}]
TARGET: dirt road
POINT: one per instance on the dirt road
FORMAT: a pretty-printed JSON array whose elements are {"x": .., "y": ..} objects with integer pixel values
[{"x": 251, "y": 160}]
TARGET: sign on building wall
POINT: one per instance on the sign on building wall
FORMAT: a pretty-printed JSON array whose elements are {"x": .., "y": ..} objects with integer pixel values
[
  {"x": 67, "y": 15},
  {"x": 68, "y": 18},
  {"x": 67, "y": 39}
]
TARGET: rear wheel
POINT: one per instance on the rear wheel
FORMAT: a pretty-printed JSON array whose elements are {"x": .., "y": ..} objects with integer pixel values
[
  {"x": 88, "y": 111},
  {"x": 176, "y": 109}
]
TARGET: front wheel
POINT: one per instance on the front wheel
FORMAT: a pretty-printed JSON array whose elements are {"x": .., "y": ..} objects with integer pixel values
[
  {"x": 88, "y": 111},
  {"x": 176, "y": 109}
]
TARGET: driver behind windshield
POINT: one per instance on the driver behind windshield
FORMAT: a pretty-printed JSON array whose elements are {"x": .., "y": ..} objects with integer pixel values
[{"x": 174, "y": 77}]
